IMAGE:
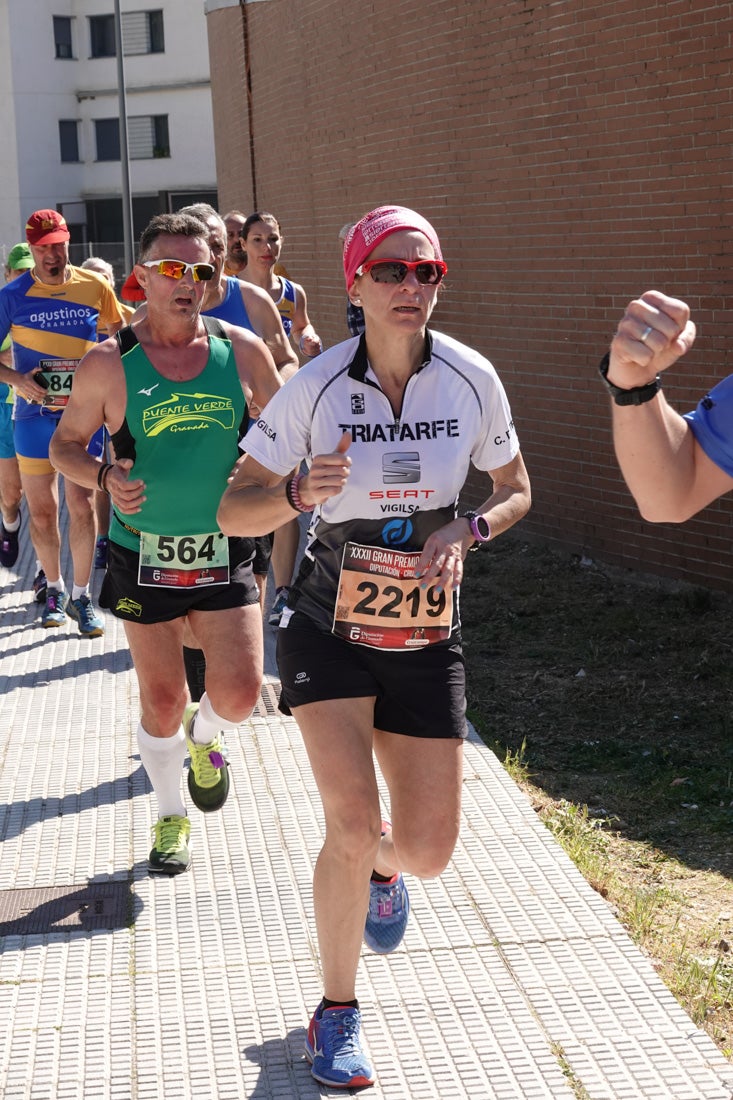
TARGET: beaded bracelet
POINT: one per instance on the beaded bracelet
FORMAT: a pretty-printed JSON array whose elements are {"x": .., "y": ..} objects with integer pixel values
[
  {"x": 294, "y": 499},
  {"x": 104, "y": 469}
]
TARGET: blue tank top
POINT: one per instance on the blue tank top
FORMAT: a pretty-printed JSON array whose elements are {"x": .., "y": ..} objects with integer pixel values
[
  {"x": 232, "y": 308},
  {"x": 286, "y": 304}
]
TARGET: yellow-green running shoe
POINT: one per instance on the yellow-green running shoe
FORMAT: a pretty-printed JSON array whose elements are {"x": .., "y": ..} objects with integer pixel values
[
  {"x": 208, "y": 776},
  {"x": 170, "y": 853}
]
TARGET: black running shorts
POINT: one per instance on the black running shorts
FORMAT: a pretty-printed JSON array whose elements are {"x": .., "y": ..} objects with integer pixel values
[
  {"x": 126, "y": 599},
  {"x": 420, "y": 693},
  {"x": 263, "y": 553}
]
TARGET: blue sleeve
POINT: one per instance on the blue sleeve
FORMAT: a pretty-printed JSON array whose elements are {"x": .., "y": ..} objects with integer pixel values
[
  {"x": 712, "y": 425},
  {"x": 6, "y": 316}
]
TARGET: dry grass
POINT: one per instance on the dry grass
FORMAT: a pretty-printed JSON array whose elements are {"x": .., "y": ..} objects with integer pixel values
[{"x": 608, "y": 696}]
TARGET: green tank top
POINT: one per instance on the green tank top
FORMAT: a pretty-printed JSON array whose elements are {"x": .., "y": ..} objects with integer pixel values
[{"x": 182, "y": 437}]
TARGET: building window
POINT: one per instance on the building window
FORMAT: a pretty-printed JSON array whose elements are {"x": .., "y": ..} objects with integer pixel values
[
  {"x": 62, "y": 36},
  {"x": 69, "y": 140},
  {"x": 142, "y": 32},
  {"x": 107, "y": 133},
  {"x": 102, "y": 35},
  {"x": 147, "y": 136},
  {"x": 177, "y": 199}
]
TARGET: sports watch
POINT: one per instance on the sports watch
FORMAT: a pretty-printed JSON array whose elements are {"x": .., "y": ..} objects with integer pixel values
[
  {"x": 479, "y": 526},
  {"x": 637, "y": 395}
]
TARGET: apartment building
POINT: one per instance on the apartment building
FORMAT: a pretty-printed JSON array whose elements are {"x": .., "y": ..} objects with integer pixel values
[{"x": 60, "y": 115}]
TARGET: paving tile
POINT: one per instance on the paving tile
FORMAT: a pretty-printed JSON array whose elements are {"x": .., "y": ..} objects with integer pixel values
[{"x": 514, "y": 979}]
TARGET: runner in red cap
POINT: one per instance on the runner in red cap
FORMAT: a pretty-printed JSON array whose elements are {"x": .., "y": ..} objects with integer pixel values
[
  {"x": 52, "y": 312},
  {"x": 46, "y": 227}
]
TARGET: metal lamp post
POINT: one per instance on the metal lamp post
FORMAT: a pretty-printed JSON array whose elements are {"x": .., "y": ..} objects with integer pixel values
[{"x": 124, "y": 151}]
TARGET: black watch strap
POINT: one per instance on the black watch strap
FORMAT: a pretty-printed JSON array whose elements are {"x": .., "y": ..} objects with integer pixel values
[{"x": 637, "y": 395}]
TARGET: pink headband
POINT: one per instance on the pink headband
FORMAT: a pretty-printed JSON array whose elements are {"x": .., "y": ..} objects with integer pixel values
[{"x": 364, "y": 237}]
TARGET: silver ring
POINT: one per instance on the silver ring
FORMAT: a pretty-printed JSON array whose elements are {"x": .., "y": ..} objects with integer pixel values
[{"x": 646, "y": 334}]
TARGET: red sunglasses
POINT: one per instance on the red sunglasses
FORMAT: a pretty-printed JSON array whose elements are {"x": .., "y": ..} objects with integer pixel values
[{"x": 427, "y": 272}]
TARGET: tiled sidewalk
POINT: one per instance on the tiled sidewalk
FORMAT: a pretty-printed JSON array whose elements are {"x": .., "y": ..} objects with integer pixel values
[{"x": 514, "y": 979}]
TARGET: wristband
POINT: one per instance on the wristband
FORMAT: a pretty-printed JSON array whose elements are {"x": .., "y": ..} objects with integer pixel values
[
  {"x": 294, "y": 500},
  {"x": 104, "y": 469}
]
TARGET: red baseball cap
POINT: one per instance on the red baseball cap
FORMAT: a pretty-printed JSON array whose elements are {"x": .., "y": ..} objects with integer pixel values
[
  {"x": 131, "y": 290},
  {"x": 46, "y": 227}
]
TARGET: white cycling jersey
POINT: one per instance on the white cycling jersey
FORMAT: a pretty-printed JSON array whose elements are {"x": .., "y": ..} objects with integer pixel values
[{"x": 407, "y": 468}]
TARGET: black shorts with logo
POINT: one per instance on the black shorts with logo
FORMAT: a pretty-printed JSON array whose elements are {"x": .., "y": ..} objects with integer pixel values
[
  {"x": 126, "y": 599},
  {"x": 421, "y": 693}
]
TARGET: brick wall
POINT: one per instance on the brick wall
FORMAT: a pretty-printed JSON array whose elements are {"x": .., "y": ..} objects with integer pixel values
[
  {"x": 570, "y": 155},
  {"x": 227, "y": 64}
]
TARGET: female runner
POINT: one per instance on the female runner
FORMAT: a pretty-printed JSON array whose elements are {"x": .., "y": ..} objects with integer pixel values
[{"x": 369, "y": 646}]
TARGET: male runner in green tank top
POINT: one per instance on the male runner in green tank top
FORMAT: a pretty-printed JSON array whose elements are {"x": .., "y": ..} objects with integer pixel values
[{"x": 172, "y": 391}]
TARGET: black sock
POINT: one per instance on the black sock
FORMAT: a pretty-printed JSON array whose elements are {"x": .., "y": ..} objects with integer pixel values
[
  {"x": 195, "y": 665},
  {"x": 325, "y": 1003}
]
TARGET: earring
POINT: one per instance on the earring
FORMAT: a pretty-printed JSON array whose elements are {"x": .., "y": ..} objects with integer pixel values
[{"x": 357, "y": 301}]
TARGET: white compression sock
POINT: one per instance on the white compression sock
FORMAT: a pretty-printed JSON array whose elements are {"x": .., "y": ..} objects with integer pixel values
[
  {"x": 162, "y": 759},
  {"x": 208, "y": 723}
]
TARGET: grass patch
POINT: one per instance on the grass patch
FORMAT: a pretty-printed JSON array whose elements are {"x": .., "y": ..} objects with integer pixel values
[
  {"x": 607, "y": 695},
  {"x": 578, "y": 1089}
]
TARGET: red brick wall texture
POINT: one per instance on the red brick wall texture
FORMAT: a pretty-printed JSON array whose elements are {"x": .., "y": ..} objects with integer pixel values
[{"x": 570, "y": 154}]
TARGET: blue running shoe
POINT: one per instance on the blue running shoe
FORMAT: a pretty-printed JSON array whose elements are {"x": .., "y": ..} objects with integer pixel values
[
  {"x": 389, "y": 908},
  {"x": 54, "y": 613},
  {"x": 82, "y": 611},
  {"x": 333, "y": 1049}
]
